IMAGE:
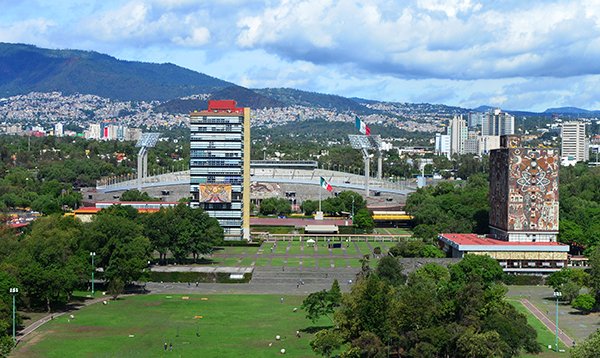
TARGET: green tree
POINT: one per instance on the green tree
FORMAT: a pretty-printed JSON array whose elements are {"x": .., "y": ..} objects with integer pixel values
[
  {"x": 50, "y": 262},
  {"x": 319, "y": 304},
  {"x": 279, "y": 206},
  {"x": 326, "y": 342},
  {"x": 590, "y": 348},
  {"x": 390, "y": 270},
  {"x": 594, "y": 279},
  {"x": 335, "y": 293},
  {"x": 364, "y": 220},
  {"x": 477, "y": 267},
  {"x": 309, "y": 207},
  {"x": 584, "y": 303},
  {"x": 480, "y": 345}
]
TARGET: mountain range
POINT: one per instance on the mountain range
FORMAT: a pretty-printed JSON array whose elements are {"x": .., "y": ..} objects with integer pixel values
[{"x": 26, "y": 68}]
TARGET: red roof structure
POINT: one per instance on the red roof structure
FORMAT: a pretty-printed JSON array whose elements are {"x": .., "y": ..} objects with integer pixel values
[{"x": 474, "y": 239}]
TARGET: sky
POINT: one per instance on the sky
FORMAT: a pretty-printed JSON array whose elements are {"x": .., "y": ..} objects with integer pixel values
[{"x": 514, "y": 54}]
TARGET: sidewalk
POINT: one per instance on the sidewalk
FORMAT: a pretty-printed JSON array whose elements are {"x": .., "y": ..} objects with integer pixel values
[{"x": 568, "y": 341}]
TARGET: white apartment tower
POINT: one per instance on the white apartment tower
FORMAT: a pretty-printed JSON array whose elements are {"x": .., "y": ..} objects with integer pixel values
[
  {"x": 575, "y": 144},
  {"x": 458, "y": 132},
  {"x": 58, "y": 130},
  {"x": 497, "y": 123}
]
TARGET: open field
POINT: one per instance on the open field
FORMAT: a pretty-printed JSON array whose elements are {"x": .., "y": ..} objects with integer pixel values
[{"x": 138, "y": 326}]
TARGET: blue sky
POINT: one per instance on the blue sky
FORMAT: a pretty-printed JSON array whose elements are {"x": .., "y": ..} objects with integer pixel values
[{"x": 527, "y": 55}]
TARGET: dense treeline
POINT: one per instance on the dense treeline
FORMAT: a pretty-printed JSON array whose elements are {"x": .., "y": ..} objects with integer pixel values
[
  {"x": 464, "y": 207},
  {"x": 45, "y": 173},
  {"x": 52, "y": 260},
  {"x": 460, "y": 311},
  {"x": 580, "y": 207},
  {"x": 448, "y": 207}
]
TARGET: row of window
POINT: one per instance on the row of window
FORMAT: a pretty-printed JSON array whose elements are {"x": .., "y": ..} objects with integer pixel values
[
  {"x": 215, "y": 163},
  {"x": 197, "y": 153},
  {"x": 217, "y": 137},
  {"x": 216, "y": 145},
  {"x": 214, "y": 120},
  {"x": 221, "y": 128}
]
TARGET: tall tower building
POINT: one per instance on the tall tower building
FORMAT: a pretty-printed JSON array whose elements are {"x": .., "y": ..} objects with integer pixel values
[
  {"x": 475, "y": 119},
  {"x": 442, "y": 144},
  {"x": 523, "y": 192},
  {"x": 575, "y": 144},
  {"x": 220, "y": 165},
  {"x": 458, "y": 134},
  {"x": 58, "y": 130},
  {"x": 497, "y": 122}
]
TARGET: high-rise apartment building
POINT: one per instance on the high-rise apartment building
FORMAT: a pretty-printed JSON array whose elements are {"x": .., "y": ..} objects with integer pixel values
[
  {"x": 523, "y": 192},
  {"x": 458, "y": 134},
  {"x": 220, "y": 165},
  {"x": 475, "y": 119},
  {"x": 497, "y": 123},
  {"x": 93, "y": 131},
  {"x": 58, "y": 130},
  {"x": 575, "y": 144},
  {"x": 442, "y": 144},
  {"x": 470, "y": 145}
]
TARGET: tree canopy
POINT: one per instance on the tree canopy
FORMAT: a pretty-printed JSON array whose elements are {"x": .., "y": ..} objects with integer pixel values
[{"x": 458, "y": 311}]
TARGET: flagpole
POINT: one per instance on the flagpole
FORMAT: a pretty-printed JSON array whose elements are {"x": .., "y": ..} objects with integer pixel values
[{"x": 320, "y": 189}]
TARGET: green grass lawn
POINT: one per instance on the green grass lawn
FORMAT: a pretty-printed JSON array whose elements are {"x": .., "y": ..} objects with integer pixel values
[
  {"x": 236, "y": 250},
  {"x": 545, "y": 337},
  {"x": 277, "y": 261},
  {"x": 309, "y": 262},
  {"x": 247, "y": 261},
  {"x": 364, "y": 247},
  {"x": 296, "y": 248},
  {"x": 231, "y": 326},
  {"x": 339, "y": 262},
  {"x": 393, "y": 231}
]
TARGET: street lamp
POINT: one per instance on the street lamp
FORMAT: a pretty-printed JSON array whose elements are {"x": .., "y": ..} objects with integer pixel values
[
  {"x": 13, "y": 291},
  {"x": 92, "y": 255},
  {"x": 557, "y": 295}
]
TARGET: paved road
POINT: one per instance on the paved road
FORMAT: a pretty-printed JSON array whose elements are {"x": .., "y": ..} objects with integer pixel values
[{"x": 568, "y": 341}]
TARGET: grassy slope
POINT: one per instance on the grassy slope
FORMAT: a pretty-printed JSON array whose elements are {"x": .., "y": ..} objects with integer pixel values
[
  {"x": 232, "y": 326},
  {"x": 545, "y": 337}
]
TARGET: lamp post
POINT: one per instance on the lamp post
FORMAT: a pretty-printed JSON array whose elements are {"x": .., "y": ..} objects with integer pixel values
[
  {"x": 557, "y": 295},
  {"x": 13, "y": 291},
  {"x": 92, "y": 255}
]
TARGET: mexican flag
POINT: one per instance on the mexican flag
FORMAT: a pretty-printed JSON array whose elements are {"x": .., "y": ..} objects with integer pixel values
[
  {"x": 325, "y": 185},
  {"x": 362, "y": 127}
]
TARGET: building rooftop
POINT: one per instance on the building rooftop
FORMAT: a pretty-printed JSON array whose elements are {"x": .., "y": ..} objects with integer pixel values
[
  {"x": 474, "y": 239},
  {"x": 472, "y": 242}
]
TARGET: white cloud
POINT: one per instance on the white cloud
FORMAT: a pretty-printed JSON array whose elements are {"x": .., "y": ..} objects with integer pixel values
[
  {"x": 28, "y": 30},
  {"x": 199, "y": 36},
  {"x": 520, "y": 54}
]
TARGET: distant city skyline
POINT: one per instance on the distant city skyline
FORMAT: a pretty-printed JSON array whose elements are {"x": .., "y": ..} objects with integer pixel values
[{"x": 510, "y": 54}]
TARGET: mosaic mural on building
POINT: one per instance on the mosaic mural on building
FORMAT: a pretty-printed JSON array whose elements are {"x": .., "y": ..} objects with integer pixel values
[
  {"x": 524, "y": 189},
  {"x": 533, "y": 190}
]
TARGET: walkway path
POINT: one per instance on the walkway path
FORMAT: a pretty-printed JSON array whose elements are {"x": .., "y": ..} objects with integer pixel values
[
  {"x": 568, "y": 341},
  {"x": 37, "y": 324}
]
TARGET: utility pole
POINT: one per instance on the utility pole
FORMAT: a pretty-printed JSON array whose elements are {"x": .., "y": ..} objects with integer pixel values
[
  {"x": 93, "y": 254},
  {"x": 14, "y": 291},
  {"x": 557, "y": 295}
]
